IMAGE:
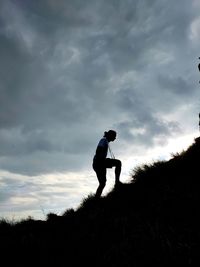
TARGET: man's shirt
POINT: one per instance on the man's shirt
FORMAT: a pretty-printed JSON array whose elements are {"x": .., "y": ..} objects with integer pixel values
[{"x": 102, "y": 149}]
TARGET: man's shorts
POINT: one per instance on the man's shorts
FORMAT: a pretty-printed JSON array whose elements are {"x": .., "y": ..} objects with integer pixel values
[{"x": 100, "y": 168}]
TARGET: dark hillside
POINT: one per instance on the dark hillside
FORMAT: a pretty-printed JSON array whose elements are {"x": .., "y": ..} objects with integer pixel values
[{"x": 151, "y": 221}]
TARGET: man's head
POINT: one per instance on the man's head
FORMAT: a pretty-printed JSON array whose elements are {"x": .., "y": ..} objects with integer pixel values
[{"x": 110, "y": 135}]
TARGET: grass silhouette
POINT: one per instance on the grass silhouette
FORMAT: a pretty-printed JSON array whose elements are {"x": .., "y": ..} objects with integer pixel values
[{"x": 153, "y": 220}]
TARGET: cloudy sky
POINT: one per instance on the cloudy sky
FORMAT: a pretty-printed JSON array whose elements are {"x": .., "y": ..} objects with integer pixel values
[{"x": 72, "y": 69}]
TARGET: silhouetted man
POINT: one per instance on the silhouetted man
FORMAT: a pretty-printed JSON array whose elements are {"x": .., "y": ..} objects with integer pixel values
[
  {"x": 101, "y": 162},
  {"x": 199, "y": 65}
]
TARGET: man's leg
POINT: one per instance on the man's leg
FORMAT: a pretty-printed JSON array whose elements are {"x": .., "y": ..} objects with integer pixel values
[
  {"x": 118, "y": 165},
  {"x": 101, "y": 175}
]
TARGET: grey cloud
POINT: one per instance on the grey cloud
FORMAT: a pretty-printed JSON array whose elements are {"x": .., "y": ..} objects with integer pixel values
[
  {"x": 61, "y": 77},
  {"x": 4, "y": 195},
  {"x": 147, "y": 134},
  {"x": 143, "y": 124},
  {"x": 9, "y": 187},
  {"x": 177, "y": 85}
]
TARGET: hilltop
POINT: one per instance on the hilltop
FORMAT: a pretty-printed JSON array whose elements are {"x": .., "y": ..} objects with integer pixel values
[{"x": 153, "y": 220}]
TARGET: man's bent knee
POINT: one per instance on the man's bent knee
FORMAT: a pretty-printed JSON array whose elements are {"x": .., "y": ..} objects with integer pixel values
[{"x": 118, "y": 163}]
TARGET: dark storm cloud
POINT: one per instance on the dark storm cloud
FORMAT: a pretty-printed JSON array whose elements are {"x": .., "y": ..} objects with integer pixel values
[
  {"x": 143, "y": 125},
  {"x": 71, "y": 69},
  {"x": 177, "y": 85}
]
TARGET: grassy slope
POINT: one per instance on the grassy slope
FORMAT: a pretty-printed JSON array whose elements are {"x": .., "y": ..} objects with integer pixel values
[{"x": 151, "y": 221}]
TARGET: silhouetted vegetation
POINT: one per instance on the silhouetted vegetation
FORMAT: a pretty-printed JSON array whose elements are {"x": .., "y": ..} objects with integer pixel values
[{"x": 152, "y": 221}]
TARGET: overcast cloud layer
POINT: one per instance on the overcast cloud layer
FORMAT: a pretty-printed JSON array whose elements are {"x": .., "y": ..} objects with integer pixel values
[{"x": 70, "y": 70}]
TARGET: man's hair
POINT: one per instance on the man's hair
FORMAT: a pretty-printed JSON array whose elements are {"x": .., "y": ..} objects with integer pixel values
[{"x": 110, "y": 133}]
